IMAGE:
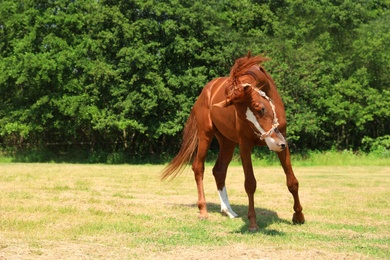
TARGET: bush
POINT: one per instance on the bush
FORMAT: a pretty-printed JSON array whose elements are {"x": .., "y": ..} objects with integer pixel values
[{"x": 378, "y": 147}]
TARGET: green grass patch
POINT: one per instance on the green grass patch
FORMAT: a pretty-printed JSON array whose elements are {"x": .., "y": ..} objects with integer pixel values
[
  {"x": 124, "y": 211},
  {"x": 261, "y": 157}
]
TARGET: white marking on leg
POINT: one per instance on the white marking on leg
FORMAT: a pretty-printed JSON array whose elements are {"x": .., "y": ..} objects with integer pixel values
[{"x": 225, "y": 205}]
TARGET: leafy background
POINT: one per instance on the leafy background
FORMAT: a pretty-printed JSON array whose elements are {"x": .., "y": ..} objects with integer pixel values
[{"x": 120, "y": 77}]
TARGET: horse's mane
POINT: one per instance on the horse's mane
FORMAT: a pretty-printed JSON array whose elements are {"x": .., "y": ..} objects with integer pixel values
[{"x": 242, "y": 65}]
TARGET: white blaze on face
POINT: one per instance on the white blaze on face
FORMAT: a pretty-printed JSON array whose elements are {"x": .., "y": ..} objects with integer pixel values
[
  {"x": 271, "y": 142},
  {"x": 252, "y": 118}
]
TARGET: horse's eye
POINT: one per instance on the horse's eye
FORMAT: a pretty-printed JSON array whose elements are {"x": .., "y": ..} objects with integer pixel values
[
  {"x": 263, "y": 110},
  {"x": 259, "y": 107}
]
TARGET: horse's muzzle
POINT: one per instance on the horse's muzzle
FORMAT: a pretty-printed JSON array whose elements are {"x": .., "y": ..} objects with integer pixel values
[{"x": 276, "y": 142}]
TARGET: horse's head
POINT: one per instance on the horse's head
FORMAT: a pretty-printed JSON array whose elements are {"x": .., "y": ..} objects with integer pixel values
[{"x": 255, "y": 108}]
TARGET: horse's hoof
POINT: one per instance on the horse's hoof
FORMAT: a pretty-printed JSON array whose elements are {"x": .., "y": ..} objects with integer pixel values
[
  {"x": 203, "y": 216},
  {"x": 229, "y": 213},
  {"x": 253, "y": 229},
  {"x": 298, "y": 218}
]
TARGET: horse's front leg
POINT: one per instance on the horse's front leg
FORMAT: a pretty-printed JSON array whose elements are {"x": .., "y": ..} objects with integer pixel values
[
  {"x": 292, "y": 184},
  {"x": 226, "y": 150},
  {"x": 250, "y": 183}
]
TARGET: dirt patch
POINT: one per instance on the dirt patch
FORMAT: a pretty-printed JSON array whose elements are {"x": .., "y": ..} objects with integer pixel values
[
  {"x": 66, "y": 250},
  {"x": 244, "y": 252}
]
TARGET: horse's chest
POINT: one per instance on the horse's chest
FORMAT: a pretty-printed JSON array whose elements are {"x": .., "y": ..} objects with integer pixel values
[{"x": 224, "y": 119}]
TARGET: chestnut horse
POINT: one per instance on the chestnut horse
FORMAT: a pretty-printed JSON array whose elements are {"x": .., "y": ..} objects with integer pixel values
[{"x": 245, "y": 109}]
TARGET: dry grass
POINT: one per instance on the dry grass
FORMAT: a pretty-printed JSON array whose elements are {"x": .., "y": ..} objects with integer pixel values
[{"x": 57, "y": 211}]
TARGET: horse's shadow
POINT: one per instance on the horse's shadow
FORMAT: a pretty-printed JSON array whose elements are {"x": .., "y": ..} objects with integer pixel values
[{"x": 264, "y": 218}]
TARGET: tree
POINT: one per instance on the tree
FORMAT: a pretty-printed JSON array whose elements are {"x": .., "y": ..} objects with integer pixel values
[
  {"x": 123, "y": 75},
  {"x": 320, "y": 75}
]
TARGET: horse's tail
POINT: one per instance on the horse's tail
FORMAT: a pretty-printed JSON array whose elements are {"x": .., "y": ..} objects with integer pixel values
[{"x": 187, "y": 150}]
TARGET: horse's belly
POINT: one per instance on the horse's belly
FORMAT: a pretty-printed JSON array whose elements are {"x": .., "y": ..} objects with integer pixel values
[{"x": 224, "y": 119}]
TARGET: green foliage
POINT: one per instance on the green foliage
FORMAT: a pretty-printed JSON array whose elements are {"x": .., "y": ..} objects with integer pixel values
[
  {"x": 378, "y": 147},
  {"x": 121, "y": 77}
]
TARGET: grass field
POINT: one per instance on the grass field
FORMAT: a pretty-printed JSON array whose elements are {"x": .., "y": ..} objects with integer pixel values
[{"x": 74, "y": 211}]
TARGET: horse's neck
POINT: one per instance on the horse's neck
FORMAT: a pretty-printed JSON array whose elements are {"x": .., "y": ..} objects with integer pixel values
[
  {"x": 272, "y": 92},
  {"x": 270, "y": 89}
]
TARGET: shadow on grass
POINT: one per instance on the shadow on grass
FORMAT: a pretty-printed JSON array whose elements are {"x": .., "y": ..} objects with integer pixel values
[{"x": 264, "y": 218}]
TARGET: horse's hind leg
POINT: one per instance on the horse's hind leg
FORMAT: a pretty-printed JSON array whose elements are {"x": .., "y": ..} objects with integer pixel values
[
  {"x": 292, "y": 184},
  {"x": 226, "y": 150},
  {"x": 205, "y": 139}
]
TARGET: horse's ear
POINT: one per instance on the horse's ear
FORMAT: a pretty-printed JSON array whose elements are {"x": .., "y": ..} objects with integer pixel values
[
  {"x": 246, "y": 85},
  {"x": 234, "y": 95}
]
